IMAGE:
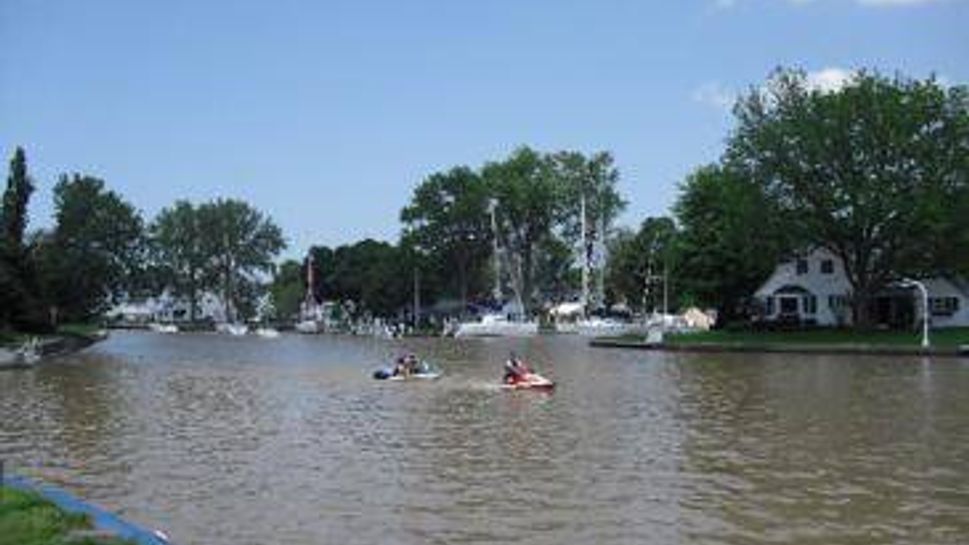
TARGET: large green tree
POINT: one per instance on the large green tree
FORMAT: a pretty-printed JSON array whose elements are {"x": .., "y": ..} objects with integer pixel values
[
  {"x": 178, "y": 243},
  {"x": 96, "y": 249},
  {"x": 447, "y": 223},
  {"x": 15, "y": 294},
  {"x": 871, "y": 171},
  {"x": 529, "y": 201},
  {"x": 240, "y": 244},
  {"x": 588, "y": 186},
  {"x": 592, "y": 179},
  {"x": 731, "y": 237}
]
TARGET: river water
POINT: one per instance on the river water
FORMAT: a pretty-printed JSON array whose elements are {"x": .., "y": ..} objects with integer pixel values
[{"x": 221, "y": 440}]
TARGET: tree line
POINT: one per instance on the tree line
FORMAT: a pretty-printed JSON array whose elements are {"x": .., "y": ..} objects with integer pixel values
[
  {"x": 101, "y": 250},
  {"x": 528, "y": 205},
  {"x": 876, "y": 172}
]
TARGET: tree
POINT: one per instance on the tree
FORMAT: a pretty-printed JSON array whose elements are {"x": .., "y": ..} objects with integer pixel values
[
  {"x": 447, "y": 221},
  {"x": 287, "y": 289},
  {"x": 731, "y": 237},
  {"x": 240, "y": 244},
  {"x": 593, "y": 179},
  {"x": 588, "y": 187},
  {"x": 871, "y": 171},
  {"x": 96, "y": 247},
  {"x": 178, "y": 244},
  {"x": 14, "y": 290},
  {"x": 528, "y": 204},
  {"x": 639, "y": 260}
]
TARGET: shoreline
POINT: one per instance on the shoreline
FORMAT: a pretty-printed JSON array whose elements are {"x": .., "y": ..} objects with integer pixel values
[
  {"x": 94, "y": 525},
  {"x": 49, "y": 347},
  {"x": 784, "y": 348}
]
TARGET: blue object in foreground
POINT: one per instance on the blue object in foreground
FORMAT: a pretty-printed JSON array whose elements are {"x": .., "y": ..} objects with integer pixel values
[{"x": 101, "y": 519}]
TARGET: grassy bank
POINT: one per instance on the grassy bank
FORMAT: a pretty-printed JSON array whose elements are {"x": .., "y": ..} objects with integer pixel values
[
  {"x": 950, "y": 337},
  {"x": 14, "y": 339},
  {"x": 28, "y": 519},
  {"x": 944, "y": 342}
]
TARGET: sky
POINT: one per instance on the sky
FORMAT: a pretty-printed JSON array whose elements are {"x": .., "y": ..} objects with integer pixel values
[{"x": 327, "y": 114}]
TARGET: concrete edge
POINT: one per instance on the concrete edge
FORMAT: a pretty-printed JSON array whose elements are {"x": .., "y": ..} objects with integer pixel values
[{"x": 100, "y": 518}]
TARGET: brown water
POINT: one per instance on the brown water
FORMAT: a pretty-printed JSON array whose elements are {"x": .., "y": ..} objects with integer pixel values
[{"x": 221, "y": 440}]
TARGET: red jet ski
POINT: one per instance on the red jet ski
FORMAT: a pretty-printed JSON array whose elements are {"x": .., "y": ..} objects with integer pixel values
[{"x": 519, "y": 377}]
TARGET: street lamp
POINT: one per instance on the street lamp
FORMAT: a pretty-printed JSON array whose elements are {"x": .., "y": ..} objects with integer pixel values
[{"x": 909, "y": 283}]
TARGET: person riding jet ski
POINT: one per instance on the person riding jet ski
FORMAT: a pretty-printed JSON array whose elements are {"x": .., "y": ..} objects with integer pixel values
[{"x": 515, "y": 369}]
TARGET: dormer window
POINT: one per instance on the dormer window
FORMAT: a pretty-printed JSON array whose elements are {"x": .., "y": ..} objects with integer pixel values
[
  {"x": 827, "y": 266},
  {"x": 802, "y": 266}
]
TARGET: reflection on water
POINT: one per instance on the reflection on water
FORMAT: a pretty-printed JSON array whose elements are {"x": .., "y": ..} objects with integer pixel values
[{"x": 225, "y": 440}]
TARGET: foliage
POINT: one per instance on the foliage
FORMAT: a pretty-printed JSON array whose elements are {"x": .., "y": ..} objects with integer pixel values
[
  {"x": 529, "y": 200},
  {"x": 15, "y": 289},
  {"x": 177, "y": 241},
  {"x": 95, "y": 250},
  {"x": 594, "y": 178},
  {"x": 375, "y": 276},
  {"x": 239, "y": 244},
  {"x": 287, "y": 289},
  {"x": 872, "y": 172},
  {"x": 639, "y": 260},
  {"x": 731, "y": 237},
  {"x": 447, "y": 222}
]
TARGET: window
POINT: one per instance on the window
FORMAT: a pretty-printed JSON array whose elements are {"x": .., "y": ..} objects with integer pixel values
[
  {"x": 837, "y": 302},
  {"x": 827, "y": 266},
  {"x": 802, "y": 266},
  {"x": 770, "y": 306},
  {"x": 810, "y": 304},
  {"x": 943, "y": 306}
]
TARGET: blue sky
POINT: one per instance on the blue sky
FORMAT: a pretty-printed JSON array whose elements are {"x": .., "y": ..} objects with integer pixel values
[{"x": 327, "y": 114}]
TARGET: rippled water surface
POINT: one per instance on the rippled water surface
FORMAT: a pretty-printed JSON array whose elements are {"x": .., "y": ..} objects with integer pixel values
[{"x": 223, "y": 440}]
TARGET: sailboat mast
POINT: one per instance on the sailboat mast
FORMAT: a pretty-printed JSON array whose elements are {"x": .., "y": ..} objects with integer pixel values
[
  {"x": 497, "y": 258},
  {"x": 585, "y": 257}
]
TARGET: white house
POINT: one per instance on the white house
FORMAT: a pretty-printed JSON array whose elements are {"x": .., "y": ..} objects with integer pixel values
[{"x": 813, "y": 289}]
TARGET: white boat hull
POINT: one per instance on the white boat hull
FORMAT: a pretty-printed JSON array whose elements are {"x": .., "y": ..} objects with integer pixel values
[
  {"x": 497, "y": 329},
  {"x": 308, "y": 326}
]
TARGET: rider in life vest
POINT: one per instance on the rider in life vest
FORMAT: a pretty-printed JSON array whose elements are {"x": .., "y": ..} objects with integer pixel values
[{"x": 515, "y": 369}]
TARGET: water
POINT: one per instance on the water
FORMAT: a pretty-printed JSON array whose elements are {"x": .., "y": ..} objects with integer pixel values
[{"x": 222, "y": 440}]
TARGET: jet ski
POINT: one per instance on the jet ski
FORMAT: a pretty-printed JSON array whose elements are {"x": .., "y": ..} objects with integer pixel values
[
  {"x": 422, "y": 371},
  {"x": 526, "y": 381},
  {"x": 519, "y": 376}
]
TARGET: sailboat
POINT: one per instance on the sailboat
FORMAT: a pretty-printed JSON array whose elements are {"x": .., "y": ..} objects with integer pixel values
[
  {"x": 309, "y": 310},
  {"x": 596, "y": 326},
  {"x": 507, "y": 323}
]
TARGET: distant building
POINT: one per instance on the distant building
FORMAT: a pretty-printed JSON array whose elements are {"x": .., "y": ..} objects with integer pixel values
[
  {"x": 166, "y": 308},
  {"x": 813, "y": 289}
]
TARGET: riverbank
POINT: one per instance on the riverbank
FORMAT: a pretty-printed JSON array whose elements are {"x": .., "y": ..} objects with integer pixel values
[
  {"x": 33, "y": 513},
  {"x": 944, "y": 342},
  {"x": 68, "y": 339},
  {"x": 28, "y": 518}
]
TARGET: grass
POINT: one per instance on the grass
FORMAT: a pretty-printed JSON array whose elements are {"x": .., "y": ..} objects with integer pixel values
[
  {"x": 82, "y": 329},
  {"x": 949, "y": 337},
  {"x": 14, "y": 339},
  {"x": 28, "y": 519}
]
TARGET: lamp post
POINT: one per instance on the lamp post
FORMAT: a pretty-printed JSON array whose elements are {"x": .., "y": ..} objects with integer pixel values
[{"x": 909, "y": 283}]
